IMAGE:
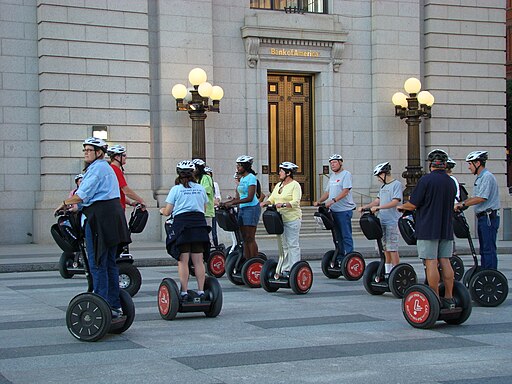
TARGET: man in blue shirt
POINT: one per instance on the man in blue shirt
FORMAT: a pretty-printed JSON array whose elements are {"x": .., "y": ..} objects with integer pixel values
[
  {"x": 486, "y": 200},
  {"x": 433, "y": 199},
  {"x": 106, "y": 227}
]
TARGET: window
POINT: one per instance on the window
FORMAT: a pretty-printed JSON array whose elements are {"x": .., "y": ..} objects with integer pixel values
[{"x": 292, "y": 6}]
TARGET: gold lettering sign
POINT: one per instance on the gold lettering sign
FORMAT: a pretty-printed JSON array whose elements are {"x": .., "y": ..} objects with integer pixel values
[{"x": 293, "y": 52}]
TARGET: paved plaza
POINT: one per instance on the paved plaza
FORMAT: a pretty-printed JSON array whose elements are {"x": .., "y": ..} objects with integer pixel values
[{"x": 335, "y": 334}]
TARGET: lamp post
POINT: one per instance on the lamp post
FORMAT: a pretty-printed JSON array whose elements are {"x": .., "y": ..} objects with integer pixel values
[
  {"x": 412, "y": 109},
  {"x": 196, "y": 101}
]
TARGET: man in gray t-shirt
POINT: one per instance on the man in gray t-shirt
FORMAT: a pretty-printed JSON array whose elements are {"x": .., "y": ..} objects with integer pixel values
[
  {"x": 338, "y": 198},
  {"x": 390, "y": 195},
  {"x": 486, "y": 200}
]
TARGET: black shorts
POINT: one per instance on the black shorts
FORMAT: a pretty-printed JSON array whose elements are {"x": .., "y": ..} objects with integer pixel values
[{"x": 191, "y": 247}]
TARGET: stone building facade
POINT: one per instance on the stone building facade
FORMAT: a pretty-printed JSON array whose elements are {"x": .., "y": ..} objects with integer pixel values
[{"x": 69, "y": 65}]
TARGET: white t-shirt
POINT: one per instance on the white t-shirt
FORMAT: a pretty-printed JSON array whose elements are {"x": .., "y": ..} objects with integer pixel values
[{"x": 338, "y": 182}]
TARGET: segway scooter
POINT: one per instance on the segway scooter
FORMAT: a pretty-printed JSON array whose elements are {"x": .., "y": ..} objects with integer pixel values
[
  {"x": 422, "y": 308},
  {"x": 407, "y": 228},
  {"x": 487, "y": 287},
  {"x": 170, "y": 303},
  {"x": 239, "y": 270},
  {"x": 375, "y": 280},
  {"x": 89, "y": 316},
  {"x": 334, "y": 264},
  {"x": 71, "y": 262},
  {"x": 300, "y": 277}
]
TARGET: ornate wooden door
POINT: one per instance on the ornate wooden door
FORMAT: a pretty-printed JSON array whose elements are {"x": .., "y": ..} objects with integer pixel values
[{"x": 290, "y": 128}]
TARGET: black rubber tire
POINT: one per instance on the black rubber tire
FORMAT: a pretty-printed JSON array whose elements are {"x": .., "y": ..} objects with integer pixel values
[
  {"x": 462, "y": 299},
  {"x": 251, "y": 272},
  {"x": 128, "y": 311},
  {"x": 267, "y": 272},
  {"x": 402, "y": 277},
  {"x": 458, "y": 267},
  {"x": 369, "y": 277},
  {"x": 191, "y": 268},
  {"x": 488, "y": 288},
  {"x": 88, "y": 317},
  {"x": 213, "y": 289},
  {"x": 353, "y": 266},
  {"x": 469, "y": 275},
  {"x": 326, "y": 264},
  {"x": 130, "y": 279},
  {"x": 216, "y": 264},
  {"x": 301, "y": 278},
  {"x": 261, "y": 255},
  {"x": 230, "y": 268},
  {"x": 66, "y": 261},
  {"x": 168, "y": 302},
  {"x": 421, "y": 306}
]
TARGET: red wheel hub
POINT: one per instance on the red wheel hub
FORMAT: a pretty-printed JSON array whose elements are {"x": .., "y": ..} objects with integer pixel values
[
  {"x": 253, "y": 273},
  {"x": 304, "y": 278},
  {"x": 217, "y": 264},
  {"x": 164, "y": 300},
  {"x": 355, "y": 267},
  {"x": 417, "y": 307}
]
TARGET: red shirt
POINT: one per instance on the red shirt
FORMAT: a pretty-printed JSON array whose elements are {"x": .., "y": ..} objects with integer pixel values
[{"x": 122, "y": 183}]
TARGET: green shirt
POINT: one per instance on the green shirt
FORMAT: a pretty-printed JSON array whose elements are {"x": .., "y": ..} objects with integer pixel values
[{"x": 207, "y": 183}]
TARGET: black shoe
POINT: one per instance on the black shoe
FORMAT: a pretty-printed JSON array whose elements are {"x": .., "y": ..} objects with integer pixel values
[
  {"x": 448, "y": 303},
  {"x": 184, "y": 298}
]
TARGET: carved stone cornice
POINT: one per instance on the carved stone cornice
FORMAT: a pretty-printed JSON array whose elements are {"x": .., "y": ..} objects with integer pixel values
[{"x": 322, "y": 31}]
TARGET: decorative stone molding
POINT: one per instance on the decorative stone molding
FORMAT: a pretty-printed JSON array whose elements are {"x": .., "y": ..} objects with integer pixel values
[
  {"x": 323, "y": 31},
  {"x": 252, "y": 45}
]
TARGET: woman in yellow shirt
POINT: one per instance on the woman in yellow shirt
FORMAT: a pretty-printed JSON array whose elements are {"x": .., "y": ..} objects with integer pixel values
[{"x": 286, "y": 197}]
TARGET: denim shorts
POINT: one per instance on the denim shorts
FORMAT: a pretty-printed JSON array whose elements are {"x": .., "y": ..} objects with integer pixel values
[
  {"x": 249, "y": 216},
  {"x": 434, "y": 249}
]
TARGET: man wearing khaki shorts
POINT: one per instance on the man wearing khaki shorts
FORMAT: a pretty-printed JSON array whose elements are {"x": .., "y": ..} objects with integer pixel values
[{"x": 433, "y": 200}]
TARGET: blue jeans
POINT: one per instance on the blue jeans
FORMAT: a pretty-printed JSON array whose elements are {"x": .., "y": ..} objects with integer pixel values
[
  {"x": 487, "y": 234},
  {"x": 343, "y": 228},
  {"x": 105, "y": 275}
]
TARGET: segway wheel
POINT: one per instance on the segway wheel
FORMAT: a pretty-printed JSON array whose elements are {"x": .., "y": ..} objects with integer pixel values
[
  {"x": 230, "y": 269},
  {"x": 214, "y": 291},
  {"x": 488, "y": 288},
  {"x": 130, "y": 279},
  {"x": 369, "y": 279},
  {"x": 326, "y": 266},
  {"x": 65, "y": 262},
  {"x": 216, "y": 264},
  {"x": 128, "y": 311},
  {"x": 267, "y": 273},
  {"x": 261, "y": 255},
  {"x": 251, "y": 272},
  {"x": 402, "y": 276},
  {"x": 168, "y": 299},
  {"x": 88, "y": 317},
  {"x": 420, "y": 306},
  {"x": 191, "y": 268},
  {"x": 469, "y": 275},
  {"x": 353, "y": 266},
  {"x": 458, "y": 267},
  {"x": 301, "y": 278},
  {"x": 462, "y": 299}
]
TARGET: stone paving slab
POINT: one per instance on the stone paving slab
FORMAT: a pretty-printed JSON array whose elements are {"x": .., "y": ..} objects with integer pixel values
[{"x": 337, "y": 333}]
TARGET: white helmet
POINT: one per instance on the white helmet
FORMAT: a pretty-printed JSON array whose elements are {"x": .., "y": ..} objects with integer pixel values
[
  {"x": 198, "y": 162},
  {"x": 236, "y": 176},
  {"x": 477, "y": 155},
  {"x": 335, "y": 156},
  {"x": 208, "y": 170},
  {"x": 78, "y": 177},
  {"x": 437, "y": 155},
  {"x": 244, "y": 159},
  {"x": 289, "y": 166},
  {"x": 382, "y": 167},
  {"x": 95, "y": 142},
  {"x": 185, "y": 166},
  {"x": 450, "y": 163},
  {"x": 116, "y": 150}
]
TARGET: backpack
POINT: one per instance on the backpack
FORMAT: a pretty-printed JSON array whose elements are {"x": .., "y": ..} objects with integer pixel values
[
  {"x": 463, "y": 192},
  {"x": 138, "y": 219}
]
